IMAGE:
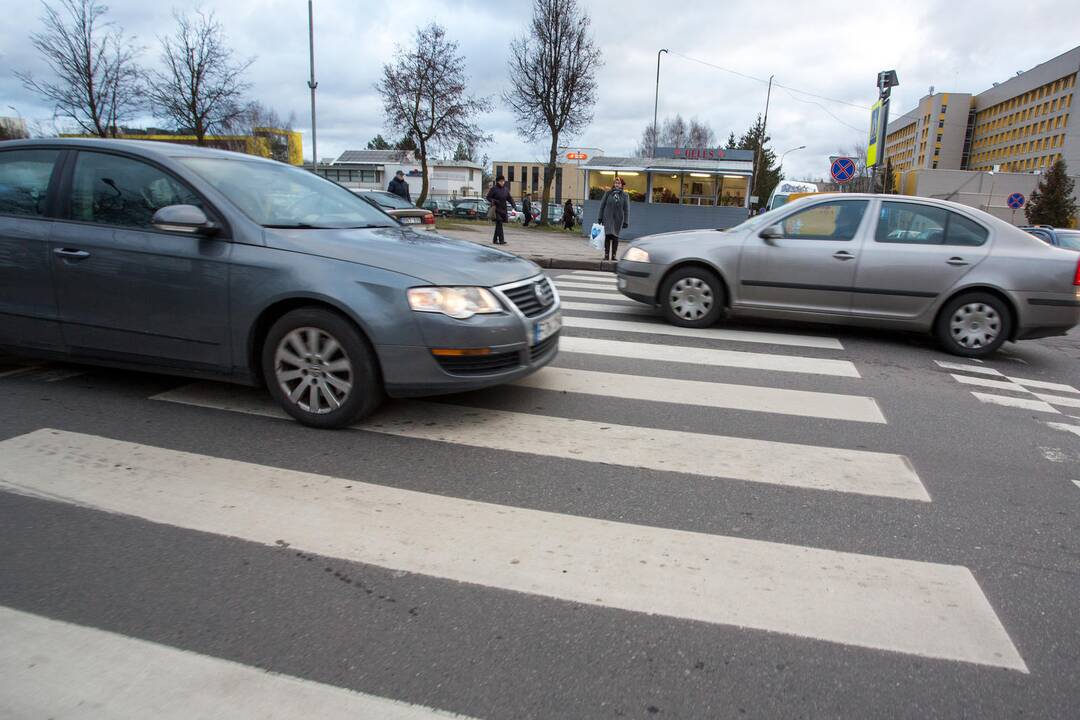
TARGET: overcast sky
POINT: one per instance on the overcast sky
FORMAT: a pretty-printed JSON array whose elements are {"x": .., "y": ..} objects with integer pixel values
[{"x": 830, "y": 49}]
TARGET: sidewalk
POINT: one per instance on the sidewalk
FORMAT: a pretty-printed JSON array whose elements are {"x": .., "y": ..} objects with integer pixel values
[{"x": 546, "y": 249}]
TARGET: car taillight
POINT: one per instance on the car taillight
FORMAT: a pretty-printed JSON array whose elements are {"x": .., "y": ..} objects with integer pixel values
[
  {"x": 1076, "y": 278},
  {"x": 429, "y": 219}
]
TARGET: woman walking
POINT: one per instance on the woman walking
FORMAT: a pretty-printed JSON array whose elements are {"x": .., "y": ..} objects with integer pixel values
[
  {"x": 568, "y": 215},
  {"x": 614, "y": 216},
  {"x": 499, "y": 196}
]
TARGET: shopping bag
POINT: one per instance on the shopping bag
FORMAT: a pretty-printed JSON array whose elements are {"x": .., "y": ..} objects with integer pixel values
[{"x": 596, "y": 236}]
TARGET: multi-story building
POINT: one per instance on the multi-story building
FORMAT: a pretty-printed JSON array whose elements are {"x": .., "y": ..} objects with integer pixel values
[
  {"x": 528, "y": 177},
  {"x": 1022, "y": 124}
]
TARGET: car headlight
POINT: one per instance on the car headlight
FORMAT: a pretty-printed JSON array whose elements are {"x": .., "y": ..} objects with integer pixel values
[
  {"x": 636, "y": 254},
  {"x": 456, "y": 302}
]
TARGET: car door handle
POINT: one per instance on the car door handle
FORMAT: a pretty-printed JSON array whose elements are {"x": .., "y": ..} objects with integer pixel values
[
  {"x": 843, "y": 255},
  {"x": 957, "y": 261},
  {"x": 71, "y": 254}
]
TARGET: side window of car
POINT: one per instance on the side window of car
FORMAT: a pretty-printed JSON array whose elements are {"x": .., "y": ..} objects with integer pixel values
[
  {"x": 838, "y": 220},
  {"x": 24, "y": 181},
  {"x": 911, "y": 223},
  {"x": 962, "y": 231},
  {"x": 114, "y": 190}
]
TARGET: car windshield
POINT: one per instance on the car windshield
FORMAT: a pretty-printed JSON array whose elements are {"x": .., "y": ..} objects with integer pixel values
[
  {"x": 390, "y": 200},
  {"x": 282, "y": 196},
  {"x": 1069, "y": 239}
]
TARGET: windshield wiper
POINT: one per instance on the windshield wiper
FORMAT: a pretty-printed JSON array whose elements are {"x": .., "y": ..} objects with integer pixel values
[{"x": 298, "y": 226}]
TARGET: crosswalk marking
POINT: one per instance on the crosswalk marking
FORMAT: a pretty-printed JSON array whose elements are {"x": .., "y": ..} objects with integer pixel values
[
  {"x": 712, "y": 456},
  {"x": 588, "y": 277},
  {"x": 586, "y": 295},
  {"x": 708, "y": 394},
  {"x": 14, "y": 372},
  {"x": 1059, "y": 400},
  {"x": 587, "y": 286},
  {"x": 57, "y": 669},
  {"x": 1009, "y": 401},
  {"x": 920, "y": 608},
  {"x": 1065, "y": 427},
  {"x": 967, "y": 368},
  {"x": 712, "y": 333},
  {"x": 598, "y": 274},
  {"x": 703, "y": 356},
  {"x": 1042, "y": 384},
  {"x": 987, "y": 382},
  {"x": 635, "y": 309}
]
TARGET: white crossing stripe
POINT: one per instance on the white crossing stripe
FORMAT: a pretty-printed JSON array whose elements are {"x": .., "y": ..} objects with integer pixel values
[
  {"x": 703, "y": 356},
  {"x": 921, "y": 608},
  {"x": 60, "y": 374},
  {"x": 1037, "y": 405},
  {"x": 584, "y": 277},
  {"x": 1066, "y": 427},
  {"x": 662, "y": 328},
  {"x": 1042, "y": 384},
  {"x": 586, "y": 295},
  {"x": 1060, "y": 400},
  {"x": 754, "y": 398},
  {"x": 587, "y": 286},
  {"x": 636, "y": 309},
  {"x": 19, "y": 371},
  {"x": 712, "y": 456},
  {"x": 967, "y": 368},
  {"x": 599, "y": 274},
  {"x": 56, "y": 669},
  {"x": 1076, "y": 483},
  {"x": 987, "y": 382}
]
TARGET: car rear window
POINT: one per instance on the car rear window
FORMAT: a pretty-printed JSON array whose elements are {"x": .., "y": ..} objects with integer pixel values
[{"x": 1069, "y": 239}]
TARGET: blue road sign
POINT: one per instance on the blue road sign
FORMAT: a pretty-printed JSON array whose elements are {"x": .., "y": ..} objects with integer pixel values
[
  {"x": 843, "y": 170},
  {"x": 1016, "y": 201}
]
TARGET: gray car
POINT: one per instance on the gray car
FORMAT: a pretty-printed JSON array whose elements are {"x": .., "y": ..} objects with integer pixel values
[
  {"x": 888, "y": 261},
  {"x": 214, "y": 264}
]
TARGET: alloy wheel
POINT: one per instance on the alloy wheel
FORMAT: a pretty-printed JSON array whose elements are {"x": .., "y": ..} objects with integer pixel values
[{"x": 313, "y": 370}]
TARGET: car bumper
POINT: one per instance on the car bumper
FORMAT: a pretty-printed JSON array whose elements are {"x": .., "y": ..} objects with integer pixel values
[
  {"x": 1047, "y": 314},
  {"x": 639, "y": 281},
  {"x": 506, "y": 339}
]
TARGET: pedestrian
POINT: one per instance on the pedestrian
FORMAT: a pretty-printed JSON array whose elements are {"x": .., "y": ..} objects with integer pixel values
[
  {"x": 526, "y": 207},
  {"x": 499, "y": 197},
  {"x": 615, "y": 217},
  {"x": 568, "y": 215},
  {"x": 399, "y": 187}
]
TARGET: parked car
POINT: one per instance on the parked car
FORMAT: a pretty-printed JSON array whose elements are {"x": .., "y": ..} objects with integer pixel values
[
  {"x": 202, "y": 262},
  {"x": 890, "y": 261},
  {"x": 1058, "y": 237},
  {"x": 441, "y": 208},
  {"x": 399, "y": 208},
  {"x": 471, "y": 209}
]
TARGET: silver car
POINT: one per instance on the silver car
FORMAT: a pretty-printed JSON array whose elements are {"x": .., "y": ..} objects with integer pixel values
[{"x": 887, "y": 261}]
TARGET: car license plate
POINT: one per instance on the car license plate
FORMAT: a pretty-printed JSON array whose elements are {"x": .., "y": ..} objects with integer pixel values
[
  {"x": 543, "y": 329},
  {"x": 409, "y": 220}
]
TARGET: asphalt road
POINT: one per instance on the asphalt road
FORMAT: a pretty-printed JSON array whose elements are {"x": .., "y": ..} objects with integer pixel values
[{"x": 600, "y": 546}]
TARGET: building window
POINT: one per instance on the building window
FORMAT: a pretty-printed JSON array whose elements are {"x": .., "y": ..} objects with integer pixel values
[
  {"x": 535, "y": 177},
  {"x": 498, "y": 170},
  {"x": 510, "y": 174},
  {"x": 471, "y": 174}
]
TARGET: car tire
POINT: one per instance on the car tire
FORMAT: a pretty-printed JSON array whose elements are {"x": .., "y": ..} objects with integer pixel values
[
  {"x": 692, "y": 297},
  {"x": 321, "y": 369},
  {"x": 973, "y": 325}
]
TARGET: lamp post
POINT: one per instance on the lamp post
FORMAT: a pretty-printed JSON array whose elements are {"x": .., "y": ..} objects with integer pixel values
[
  {"x": 784, "y": 154},
  {"x": 755, "y": 171},
  {"x": 312, "y": 84},
  {"x": 991, "y": 192},
  {"x": 656, "y": 102}
]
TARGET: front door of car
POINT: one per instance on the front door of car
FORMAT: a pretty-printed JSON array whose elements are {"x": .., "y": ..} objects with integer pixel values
[
  {"x": 28, "y": 314},
  {"x": 131, "y": 292},
  {"x": 806, "y": 262},
  {"x": 915, "y": 253}
]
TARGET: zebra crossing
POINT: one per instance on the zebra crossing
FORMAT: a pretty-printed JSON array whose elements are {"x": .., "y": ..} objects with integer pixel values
[{"x": 931, "y": 610}]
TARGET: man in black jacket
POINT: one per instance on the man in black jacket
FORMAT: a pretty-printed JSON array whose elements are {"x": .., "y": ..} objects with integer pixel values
[
  {"x": 399, "y": 187},
  {"x": 499, "y": 197}
]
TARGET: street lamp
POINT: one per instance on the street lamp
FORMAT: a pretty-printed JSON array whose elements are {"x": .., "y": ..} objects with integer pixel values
[
  {"x": 991, "y": 192},
  {"x": 312, "y": 84},
  {"x": 656, "y": 102},
  {"x": 783, "y": 154}
]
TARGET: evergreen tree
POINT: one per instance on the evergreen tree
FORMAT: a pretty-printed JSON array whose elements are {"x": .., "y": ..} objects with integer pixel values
[
  {"x": 1052, "y": 201},
  {"x": 378, "y": 143},
  {"x": 766, "y": 175},
  {"x": 462, "y": 152},
  {"x": 732, "y": 143},
  {"x": 406, "y": 144}
]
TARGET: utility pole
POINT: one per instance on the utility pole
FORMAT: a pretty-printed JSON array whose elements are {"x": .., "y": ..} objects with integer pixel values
[
  {"x": 656, "y": 103},
  {"x": 312, "y": 84},
  {"x": 761, "y": 141}
]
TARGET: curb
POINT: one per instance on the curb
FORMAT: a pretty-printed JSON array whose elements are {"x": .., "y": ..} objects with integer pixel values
[{"x": 568, "y": 264}]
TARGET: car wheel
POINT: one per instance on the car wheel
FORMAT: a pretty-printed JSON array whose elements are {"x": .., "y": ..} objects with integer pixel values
[
  {"x": 692, "y": 297},
  {"x": 320, "y": 369},
  {"x": 974, "y": 325}
]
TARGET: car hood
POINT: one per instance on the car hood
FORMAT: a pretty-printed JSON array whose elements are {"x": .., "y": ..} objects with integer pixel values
[{"x": 432, "y": 258}]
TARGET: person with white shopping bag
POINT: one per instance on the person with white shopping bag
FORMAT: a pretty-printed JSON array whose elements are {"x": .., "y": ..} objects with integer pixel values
[{"x": 614, "y": 216}]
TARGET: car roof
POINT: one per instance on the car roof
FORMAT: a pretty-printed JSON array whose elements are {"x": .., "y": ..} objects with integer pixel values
[{"x": 145, "y": 148}]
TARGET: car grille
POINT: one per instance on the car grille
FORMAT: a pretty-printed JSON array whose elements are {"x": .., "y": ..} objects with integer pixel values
[
  {"x": 543, "y": 347},
  {"x": 528, "y": 301},
  {"x": 480, "y": 364}
]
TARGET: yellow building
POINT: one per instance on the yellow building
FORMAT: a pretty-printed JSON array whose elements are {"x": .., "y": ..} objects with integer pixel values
[
  {"x": 528, "y": 177},
  {"x": 275, "y": 143}
]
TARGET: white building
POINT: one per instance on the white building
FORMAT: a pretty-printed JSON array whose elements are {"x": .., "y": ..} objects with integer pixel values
[{"x": 373, "y": 170}]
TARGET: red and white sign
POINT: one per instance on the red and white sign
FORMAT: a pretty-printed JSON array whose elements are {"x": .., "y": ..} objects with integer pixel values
[
  {"x": 700, "y": 153},
  {"x": 577, "y": 156}
]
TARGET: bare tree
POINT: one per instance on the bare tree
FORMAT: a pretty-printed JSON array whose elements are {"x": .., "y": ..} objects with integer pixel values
[
  {"x": 700, "y": 134},
  {"x": 200, "y": 87},
  {"x": 649, "y": 140},
  {"x": 256, "y": 115},
  {"x": 424, "y": 98},
  {"x": 553, "y": 76},
  {"x": 674, "y": 132},
  {"x": 96, "y": 81}
]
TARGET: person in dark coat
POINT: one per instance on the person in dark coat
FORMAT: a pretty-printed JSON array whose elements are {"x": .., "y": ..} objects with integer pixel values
[
  {"x": 399, "y": 187},
  {"x": 568, "y": 215},
  {"x": 526, "y": 207},
  {"x": 614, "y": 216},
  {"x": 499, "y": 196}
]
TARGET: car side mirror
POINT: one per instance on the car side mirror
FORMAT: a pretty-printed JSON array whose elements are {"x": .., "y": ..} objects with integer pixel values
[
  {"x": 771, "y": 234},
  {"x": 183, "y": 219}
]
